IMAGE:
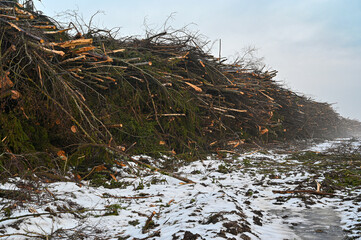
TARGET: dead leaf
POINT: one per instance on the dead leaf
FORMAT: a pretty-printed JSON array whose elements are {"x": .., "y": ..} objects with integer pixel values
[
  {"x": 161, "y": 142},
  {"x": 77, "y": 177},
  {"x": 265, "y": 130},
  {"x": 62, "y": 155},
  {"x": 32, "y": 210},
  {"x": 100, "y": 168},
  {"x": 112, "y": 175},
  {"x": 73, "y": 129},
  {"x": 121, "y": 148},
  {"x": 5, "y": 81},
  {"x": 15, "y": 94}
]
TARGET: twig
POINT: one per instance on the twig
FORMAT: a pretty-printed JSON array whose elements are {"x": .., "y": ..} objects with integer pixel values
[
  {"x": 9, "y": 17},
  {"x": 149, "y": 222},
  {"x": 153, "y": 234},
  {"x": 47, "y": 50},
  {"x": 172, "y": 115},
  {"x": 22, "y": 30},
  {"x": 58, "y": 31},
  {"x": 73, "y": 59},
  {"x": 19, "y": 234},
  {"x": 106, "y": 195},
  {"x": 186, "y": 180},
  {"x": 52, "y": 213},
  {"x": 304, "y": 191}
]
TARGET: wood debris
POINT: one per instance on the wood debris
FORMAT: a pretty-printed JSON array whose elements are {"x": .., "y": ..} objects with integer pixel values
[{"x": 163, "y": 89}]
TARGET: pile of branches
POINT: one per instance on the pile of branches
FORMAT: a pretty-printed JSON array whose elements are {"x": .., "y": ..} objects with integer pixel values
[{"x": 90, "y": 96}]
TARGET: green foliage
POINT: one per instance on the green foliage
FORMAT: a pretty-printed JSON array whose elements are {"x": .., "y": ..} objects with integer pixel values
[
  {"x": 223, "y": 169},
  {"x": 345, "y": 177},
  {"x": 247, "y": 162},
  {"x": 134, "y": 222},
  {"x": 113, "y": 209},
  {"x": 140, "y": 186},
  {"x": 308, "y": 155},
  {"x": 13, "y": 134},
  {"x": 88, "y": 156},
  {"x": 104, "y": 179},
  {"x": 7, "y": 211}
]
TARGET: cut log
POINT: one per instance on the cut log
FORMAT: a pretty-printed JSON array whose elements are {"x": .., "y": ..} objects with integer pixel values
[
  {"x": 9, "y": 17},
  {"x": 115, "y": 51},
  {"x": 84, "y": 49},
  {"x": 73, "y": 59},
  {"x": 21, "y": 30},
  {"x": 58, "y": 31},
  {"x": 45, "y": 27},
  {"x": 197, "y": 89},
  {"x": 73, "y": 43},
  {"x": 47, "y": 50}
]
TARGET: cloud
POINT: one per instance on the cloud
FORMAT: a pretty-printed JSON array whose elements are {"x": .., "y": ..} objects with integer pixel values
[{"x": 314, "y": 44}]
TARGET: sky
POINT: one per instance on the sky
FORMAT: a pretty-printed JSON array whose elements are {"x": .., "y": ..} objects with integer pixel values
[{"x": 315, "y": 45}]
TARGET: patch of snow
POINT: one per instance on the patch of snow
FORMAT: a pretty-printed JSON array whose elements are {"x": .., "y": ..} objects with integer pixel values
[{"x": 218, "y": 205}]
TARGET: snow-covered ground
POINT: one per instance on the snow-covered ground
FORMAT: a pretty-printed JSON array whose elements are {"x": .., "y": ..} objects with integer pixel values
[{"x": 231, "y": 198}]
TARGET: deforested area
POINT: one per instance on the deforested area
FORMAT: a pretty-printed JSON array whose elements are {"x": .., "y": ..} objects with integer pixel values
[{"x": 75, "y": 103}]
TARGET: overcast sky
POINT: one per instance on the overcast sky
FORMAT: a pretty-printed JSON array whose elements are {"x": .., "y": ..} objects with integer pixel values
[{"x": 314, "y": 44}]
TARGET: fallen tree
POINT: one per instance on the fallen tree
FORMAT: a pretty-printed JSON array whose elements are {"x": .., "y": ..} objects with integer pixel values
[{"x": 83, "y": 99}]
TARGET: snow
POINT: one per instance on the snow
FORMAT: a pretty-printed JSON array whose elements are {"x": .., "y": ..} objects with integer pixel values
[{"x": 206, "y": 207}]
